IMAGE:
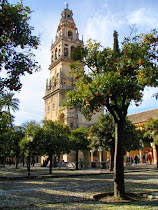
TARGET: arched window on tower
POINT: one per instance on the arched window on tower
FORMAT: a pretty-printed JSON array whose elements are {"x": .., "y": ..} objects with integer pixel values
[
  {"x": 56, "y": 53},
  {"x": 52, "y": 58},
  {"x": 70, "y": 34},
  {"x": 66, "y": 51},
  {"x": 59, "y": 52}
]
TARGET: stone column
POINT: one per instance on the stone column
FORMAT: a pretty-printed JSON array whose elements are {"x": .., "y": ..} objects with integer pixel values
[
  {"x": 154, "y": 152},
  {"x": 140, "y": 155},
  {"x": 92, "y": 151},
  {"x": 108, "y": 155},
  {"x": 100, "y": 154},
  {"x": 86, "y": 159}
]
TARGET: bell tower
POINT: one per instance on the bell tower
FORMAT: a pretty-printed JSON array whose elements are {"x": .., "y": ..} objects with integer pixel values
[
  {"x": 67, "y": 37},
  {"x": 60, "y": 81}
]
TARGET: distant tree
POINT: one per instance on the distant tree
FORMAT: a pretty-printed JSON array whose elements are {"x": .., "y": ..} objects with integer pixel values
[
  {"x": 79, "y": 141},
  {"x": 103, "y": 134},
  {"x": 32, "y": 128},
  {"x": 16, "y": 44},
  {"x": 5, "y": 137},
  {"x": 16, "y": 137},
  {"x": 113, "y": 79},
  {"x": 56, "y": 139},
  {"x": 10, "y": 103}
]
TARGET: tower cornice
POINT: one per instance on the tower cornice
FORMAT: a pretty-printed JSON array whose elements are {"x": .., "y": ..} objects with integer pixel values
[
  {"x": 71, "y": 40},
  {"x": 59, "y": 60}
]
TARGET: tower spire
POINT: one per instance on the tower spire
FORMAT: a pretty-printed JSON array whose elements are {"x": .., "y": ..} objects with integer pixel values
[{"x": 66, "y": 5}]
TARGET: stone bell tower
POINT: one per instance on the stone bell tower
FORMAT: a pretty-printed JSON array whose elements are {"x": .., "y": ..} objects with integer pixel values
[{"x": 60, "y": 81}]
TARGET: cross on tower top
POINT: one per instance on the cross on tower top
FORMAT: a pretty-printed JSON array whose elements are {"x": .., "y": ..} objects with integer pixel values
[{"x": 66, "y": 5}]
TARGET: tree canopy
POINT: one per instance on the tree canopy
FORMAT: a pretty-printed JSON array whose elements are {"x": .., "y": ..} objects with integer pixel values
[
  {"x": 55, "y": 139},
  {"x": 113, "y": 78},
  {"x": 16, "y": 44},
  {"x": 151, "y": 130},
  {"x": 9, "y": 102},
  {"x": 103, "y": 134},
  {"x": 79, "y": 141}
]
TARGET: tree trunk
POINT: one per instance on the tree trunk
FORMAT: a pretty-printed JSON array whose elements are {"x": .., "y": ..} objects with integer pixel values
[
  {"x": 17, "y": 161},
  {"x": 4, "y": 160},
  {"x": 23, "y": 159},
  {"x": 77, "y": 160},
  {"x": 55, "y": 161},
  {"x": 50, "y": 159},
  {"x": 33, "y": 160},
  {"x": 10, "y": 117},
  {"x": 119, "y": 189}
]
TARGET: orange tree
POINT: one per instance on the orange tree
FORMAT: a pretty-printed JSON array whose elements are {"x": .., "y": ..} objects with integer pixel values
[
  {"x": 103, "y": 134},
  {"x": 79, "y": 141},
  {"x": 55, "y": 139},
  {"x": 16, "y": 136},
  {"x": 16, "y": 44},
  {"x": 113, "y": 78}
]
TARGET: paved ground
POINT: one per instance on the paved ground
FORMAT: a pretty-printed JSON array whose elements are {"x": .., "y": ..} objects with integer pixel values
[
  {"x": 9, "y": 172},
  {"x": 73, "y": 189}
]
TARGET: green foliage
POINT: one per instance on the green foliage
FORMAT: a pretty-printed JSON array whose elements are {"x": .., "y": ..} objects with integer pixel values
[
  {"x": 103, "y": 134},
  {"x": 150, "y": 129},
  {"x": 9, "y": 103},
  {"x": 56, "y": 137},
  {"x": 31, "y": 128},
  {"x": 17, "y": 136},
  {"x": 114, "y": 80},
  {"x": 116, "y": 44},
  {"x": 16, "y": 44},
  {"x": 79, "y": 139},
  {"x": 79, "y": 53},
  {"x": 5, "y": 136}
]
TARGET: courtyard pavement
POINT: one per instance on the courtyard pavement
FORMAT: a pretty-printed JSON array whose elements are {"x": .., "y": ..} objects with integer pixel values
[{"x": 10, "y": 173}]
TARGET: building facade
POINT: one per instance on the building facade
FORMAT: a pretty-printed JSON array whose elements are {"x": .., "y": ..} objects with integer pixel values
[{"x": 138, "y": 120}]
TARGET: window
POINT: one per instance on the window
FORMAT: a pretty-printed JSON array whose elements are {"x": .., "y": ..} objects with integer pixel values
[
  {"x": 70, "y": 34},
  {"x": 56, "y": 53},
  {"x": 48, "y": 109},
  {"x": 59, "y": 52},
  {"x": 65, "y": 51},
  {"x": 52, "y": 58},
  {"x": 71, "y": 125}
]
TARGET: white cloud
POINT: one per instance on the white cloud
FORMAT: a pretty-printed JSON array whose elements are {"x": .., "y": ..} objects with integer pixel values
[
  {"x": 144, "y": 17},
  {"x": 101, "y": 25}
]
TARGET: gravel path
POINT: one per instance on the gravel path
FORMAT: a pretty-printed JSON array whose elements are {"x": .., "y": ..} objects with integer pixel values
[{"x": 77, "y": 192}]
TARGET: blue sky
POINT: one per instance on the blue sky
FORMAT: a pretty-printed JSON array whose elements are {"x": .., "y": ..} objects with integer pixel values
[{"x": 95, "y": 19}]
